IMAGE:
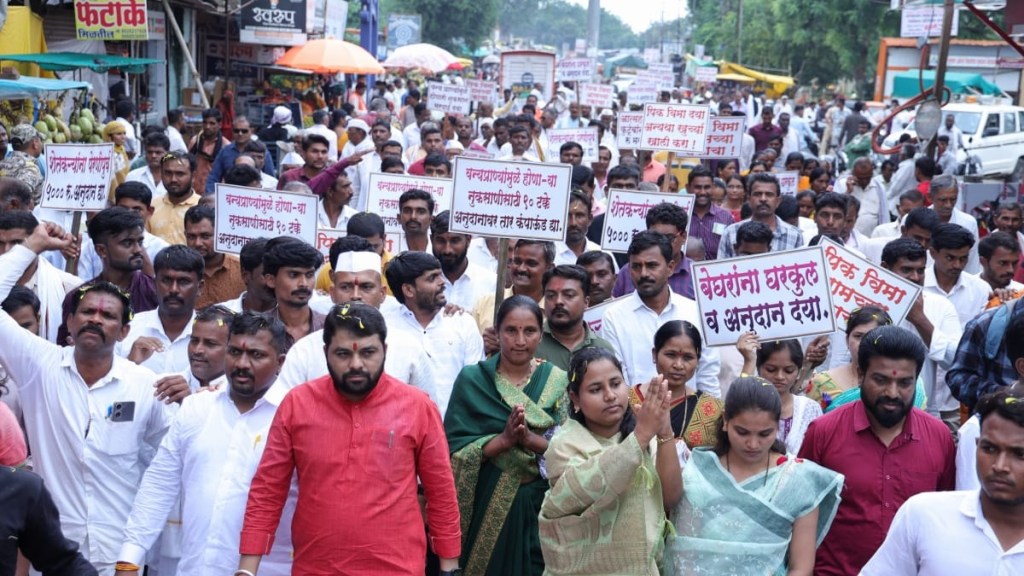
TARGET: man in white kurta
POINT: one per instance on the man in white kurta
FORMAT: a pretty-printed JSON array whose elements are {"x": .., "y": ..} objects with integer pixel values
[
  {"x": 209, "y": 457},
  {"x": 91, "y": 416}
]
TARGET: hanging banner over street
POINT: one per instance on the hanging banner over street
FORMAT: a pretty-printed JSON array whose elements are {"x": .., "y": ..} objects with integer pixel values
[
  {"x": 778, "y": 295},
  {"x": 274, "y": 22},
  {"x": 511, "y": 199},
  {"x": 116, "y": 20},
  {"x": 627, "y": 215},
  {"x": 244, "y": 214},
  {"x": 77, "y": 176}
]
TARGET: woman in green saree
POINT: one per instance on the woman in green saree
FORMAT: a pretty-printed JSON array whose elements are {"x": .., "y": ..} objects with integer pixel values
[{"x": 500, "y": 417}]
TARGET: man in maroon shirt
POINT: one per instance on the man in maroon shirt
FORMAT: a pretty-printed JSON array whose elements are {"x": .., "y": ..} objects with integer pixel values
[
  {"x": 887, "y": 449},
  {"x": 765, "y": 131}
]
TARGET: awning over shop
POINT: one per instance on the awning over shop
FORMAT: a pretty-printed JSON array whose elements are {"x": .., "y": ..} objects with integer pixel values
[
  {"x": 31, "y": 87},
  {"x": 623, "y": 61},
  {"x": 733, "y": 77},
  {"x": 776, "y": 84},
  {"x": 906, "y": 85},
  {"x": 64, "y": 61}
]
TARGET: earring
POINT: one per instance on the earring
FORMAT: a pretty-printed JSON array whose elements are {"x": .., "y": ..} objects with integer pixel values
[{"x": 576, "y": 409}]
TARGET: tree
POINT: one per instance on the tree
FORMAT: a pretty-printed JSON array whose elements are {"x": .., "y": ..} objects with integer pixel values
[{"x": 453, "y": 24}]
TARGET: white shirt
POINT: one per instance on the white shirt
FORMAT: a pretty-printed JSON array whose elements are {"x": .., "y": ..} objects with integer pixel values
[
  {"x": 956, "y": 136},
  {"x": 961, "y": 218},
  {"x": 403, "y": 245},
  {"x": 91, "y": 464},
  {"x": 131, "y": 143},
  {"x": 90, "y": 265},
  {"x": 332, "y": 139},
  {"x": 902, "y": 180},
  {"x": 944, "y": 534},
  {"x": 475, "y": 283},
  {"x": 267, "y": 182},
  {"x": 629, "y": 326},
  {"x": 173, "y": 358},
  {"x": 873, "y": 204},
  {"x": 945, "y": 338},
  {"x": 969, "y": 295},
  {"x": 208, "y": 457},
  {"x": 888, "y": 230},
  {"x": 359, "y": 175},
  {"x": 145, "y": 175},
  {"x": 966, "y": 452},
  {"x": 747, "y": 146},
  {"x": 324, "y": 221},
  {"x": 177, "y": 142},
  {"x": 480, "y": 255},
  {"x": 306, "y": 361},
  {"x": 450, "y": 342},
  {"x": 565, "y": 255}
]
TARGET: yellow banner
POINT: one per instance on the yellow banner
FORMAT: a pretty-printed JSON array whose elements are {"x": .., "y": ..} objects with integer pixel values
[{"x": 111, "y": 20}]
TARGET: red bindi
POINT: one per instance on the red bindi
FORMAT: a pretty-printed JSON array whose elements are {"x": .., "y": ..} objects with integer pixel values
[{"x": 354, "y": 347}]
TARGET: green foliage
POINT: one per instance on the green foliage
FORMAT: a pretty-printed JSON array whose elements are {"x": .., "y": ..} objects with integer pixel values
[
  {"x": 554, "y": 22},
  {"x": 823, "y": 40},
  {"x": 451, "y": 24}
]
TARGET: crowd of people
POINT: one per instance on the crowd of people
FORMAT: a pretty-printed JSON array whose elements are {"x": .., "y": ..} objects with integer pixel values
[{"x": 391, "y": 410}]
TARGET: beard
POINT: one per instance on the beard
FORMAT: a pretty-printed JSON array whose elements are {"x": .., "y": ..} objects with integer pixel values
[
  {"x": 433, "y": 301},
  {"x": 451, "y": 262},
  {"x": 886, "y": 418},
  {"x": 346, "y": 383}
]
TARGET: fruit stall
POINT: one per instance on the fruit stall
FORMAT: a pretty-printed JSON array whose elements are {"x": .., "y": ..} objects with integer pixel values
[{"x": 43, "y": 101}]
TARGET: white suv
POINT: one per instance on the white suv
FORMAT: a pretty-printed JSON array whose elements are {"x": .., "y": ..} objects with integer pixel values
[{"x": 992, "y": 133}]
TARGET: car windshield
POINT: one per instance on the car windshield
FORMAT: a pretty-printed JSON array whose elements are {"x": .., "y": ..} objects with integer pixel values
[{"x": 967, "y": 122}]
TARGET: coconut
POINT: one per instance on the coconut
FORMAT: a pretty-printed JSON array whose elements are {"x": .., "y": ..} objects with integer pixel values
[{"x": 51, "y": 122}]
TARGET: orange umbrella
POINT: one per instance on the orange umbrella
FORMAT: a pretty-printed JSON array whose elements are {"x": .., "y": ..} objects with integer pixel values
[{"x": 329, "y": 56}]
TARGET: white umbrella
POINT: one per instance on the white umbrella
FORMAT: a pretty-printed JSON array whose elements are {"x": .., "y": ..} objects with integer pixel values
[
  {"x": 422, "y": 57},
  {"x": 492, "y": 59}
]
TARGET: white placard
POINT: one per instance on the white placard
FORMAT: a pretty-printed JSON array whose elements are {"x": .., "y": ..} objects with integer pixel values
[
  {"x": 385, "y": 189},
  {"x": 629, "y": 126},
  {"x": 656, "y": 77},
  {"x": 585, "y": 137},
  {"x": 725, "y": 136},
  {"x": 778, "y": 295},
  {"x": 641, "y": 93},
  {"x": 575, "y": 70},
  {"x": 594, "y": 316},
  {"x": 482, "y": 90},
  {"x": 917, "y": 21},
  {"x": 856, "y": 283},
  {"x": 679, "y": 128},
  {"x": 597, "y": 95},
  {"x": 627, "y": 213},
  {"x": 476, "y": 154},
  {"x": 244, "y": 214},
  {"x": 788, "y": 183},
  {"x": 448, "y": 98},
  {"x": 325, "y": 237},
  {"x": 77, "y": 176},
  {"x": 511, "y": 199},
  {"x": 706, "y": 74}
]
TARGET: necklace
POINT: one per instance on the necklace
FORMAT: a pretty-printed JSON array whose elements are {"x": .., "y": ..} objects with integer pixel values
[
  {"x": 767, "y": 466},
  {"x": 519, "y": 382},
  {"x": 686, "y": 410}
]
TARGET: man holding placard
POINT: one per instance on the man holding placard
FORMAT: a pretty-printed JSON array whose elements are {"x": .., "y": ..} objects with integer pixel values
[
  {"x": 670, "y": 220},
  {"x": 576, "y": 242},
  {"x": 764, "y": 198},
  {"x": 167, "y": 222},
  {"x": 415, "y": 211},
  {"x": 465, "y": 283},
  {"x": 709, "y": 221}
]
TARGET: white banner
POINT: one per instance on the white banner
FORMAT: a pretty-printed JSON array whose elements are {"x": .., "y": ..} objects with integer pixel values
[
  {"x": 641, "y": 93},
  {"x": 511, "y": 199},
  {"x": 856, "y": 283},
  {"x": 448, "y": 98},
  {"x": 597, "y": 95},
  {"x": 575, "y": 70},
  {"x": 244, "y": 214},
  {"x": 324, "y": 238},
  {"x": 788, "y": 183},
  {"x": 679, "y": 128},
  {"x": 725, "y": 137},
  {"x": 917, "y": 21},
  {"x": 629, "y": 126},
  {"x": 77, "y": 176},
  {"x": 385, "y": 190},
  {"x": 706, "y": 74},
  {"x": 627, "y": 215},
  {"x": 585, "y": 137},
  {"x": 778, "y": 295},
  {"x": 482, "y": 90},
  {"x": 594, "y": 316}
]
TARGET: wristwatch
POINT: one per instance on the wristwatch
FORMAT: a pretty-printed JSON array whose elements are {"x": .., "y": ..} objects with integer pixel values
[{"x": 455, "y": 572}]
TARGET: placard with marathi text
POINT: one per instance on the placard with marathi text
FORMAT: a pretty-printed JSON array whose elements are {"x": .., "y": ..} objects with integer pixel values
[
  {"x": 679, "y": 128},
  {"x": 448, "y": 98},
  {"x": 77, "y": 176},
  {"x": 385, "y": 189},
  {"x": 627, "y": 215},
  {"x": 244, "y": 214},
  {"x": 857, "y": 283}
]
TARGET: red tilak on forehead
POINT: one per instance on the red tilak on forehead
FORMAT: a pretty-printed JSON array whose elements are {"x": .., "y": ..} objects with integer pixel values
[{"x": 355, "y": 347}]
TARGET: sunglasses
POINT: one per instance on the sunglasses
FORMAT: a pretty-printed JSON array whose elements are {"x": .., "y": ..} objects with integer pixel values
[{"x": 240, "y": 131}]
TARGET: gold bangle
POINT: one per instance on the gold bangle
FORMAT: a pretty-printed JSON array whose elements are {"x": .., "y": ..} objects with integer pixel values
[
  {"x": 665, "y": 440},
  {"x": 126, "y": 567}
]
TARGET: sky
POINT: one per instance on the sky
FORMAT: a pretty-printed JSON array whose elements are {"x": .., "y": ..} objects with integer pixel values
[{"x": 640, "y": 20}]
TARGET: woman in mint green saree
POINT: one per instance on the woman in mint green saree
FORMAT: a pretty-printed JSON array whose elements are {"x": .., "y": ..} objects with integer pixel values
[
  {"x": 500, "y": 417},
  {"x": 748, "y": 507}
]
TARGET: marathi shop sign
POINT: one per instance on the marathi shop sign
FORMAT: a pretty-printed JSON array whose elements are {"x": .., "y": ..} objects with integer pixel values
[
  {"x": 274, "y": 22},
  {"x": 111, "y": 20}
]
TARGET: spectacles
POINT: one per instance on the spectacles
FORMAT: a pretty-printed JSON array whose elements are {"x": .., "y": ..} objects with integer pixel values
[{"x": 240, "y": 131}]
